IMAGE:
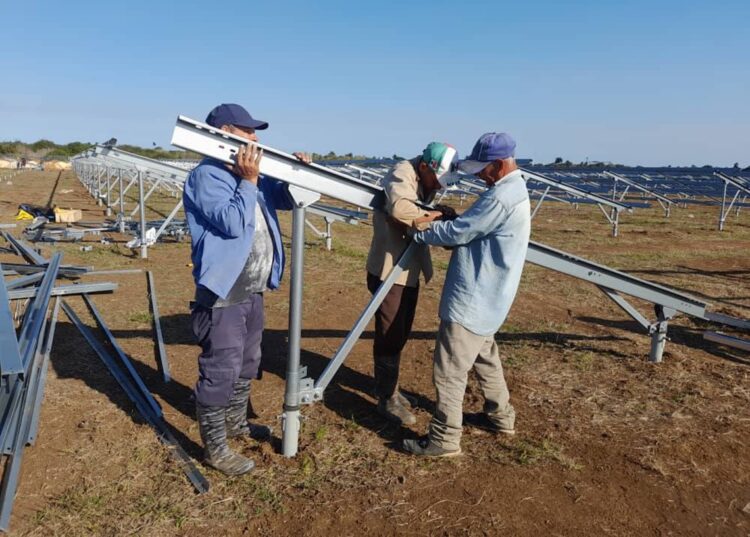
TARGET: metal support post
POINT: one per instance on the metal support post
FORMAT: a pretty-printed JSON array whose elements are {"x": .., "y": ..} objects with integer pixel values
[
  {"x": 329, "y": 235},
  {"x": 659, "y": 333},
  {"x": 122, "y": 204},
  {"x": 144, "y": 247},
  {"x": 291, "y": 416},
  {"x": 109, "y": 187}
]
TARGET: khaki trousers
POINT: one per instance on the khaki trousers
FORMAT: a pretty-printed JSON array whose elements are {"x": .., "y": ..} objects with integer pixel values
[{"x": 456, "y": 352}]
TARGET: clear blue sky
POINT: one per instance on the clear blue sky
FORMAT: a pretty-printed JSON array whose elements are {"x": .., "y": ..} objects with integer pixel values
[{"x": 639, "y": 82}]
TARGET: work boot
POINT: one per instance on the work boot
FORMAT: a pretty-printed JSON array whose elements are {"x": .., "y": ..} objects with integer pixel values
[
  {"x": 213, "y": 429},
  {"x": 237, "y": 424},
  {"x": 424, "y": 448},
  {"x": 483, "y": 421},
  {"x": 394, "y": 410},
  {"x": 405, "y": 400}
]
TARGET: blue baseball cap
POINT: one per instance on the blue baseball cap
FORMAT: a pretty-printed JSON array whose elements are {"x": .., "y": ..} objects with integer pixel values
[
  {"x": 490, "y": 146},
  {"x": 234, "y": 114}
]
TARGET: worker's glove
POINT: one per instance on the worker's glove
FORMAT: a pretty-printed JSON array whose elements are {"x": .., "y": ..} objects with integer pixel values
[{"x": 448, "y": 213}]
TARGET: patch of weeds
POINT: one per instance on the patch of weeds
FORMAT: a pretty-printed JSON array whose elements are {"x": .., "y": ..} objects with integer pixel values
[
  {"x": 347, "y": 251},
  {"x": 141, "y": 317},
  {"x": 308, "y": 472},
  {"x": 682, "y": 397},
  {"x": 351, "y": 424},
  {"x": 584, "y": 361},
  {"x": 262, "y": 490},
  {"x": 530, "y": 452},
  {"x": 320, "y": 433}
]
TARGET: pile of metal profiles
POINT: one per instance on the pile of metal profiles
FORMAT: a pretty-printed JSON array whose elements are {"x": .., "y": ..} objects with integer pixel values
[
  {"x": 25, "y": 354},
  {"x": 104, "y": 170},
  {"x": 307, "y": 182}
]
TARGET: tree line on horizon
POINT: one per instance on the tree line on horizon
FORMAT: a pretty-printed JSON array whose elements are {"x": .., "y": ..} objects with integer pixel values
[{"x": 48, "y": 150}]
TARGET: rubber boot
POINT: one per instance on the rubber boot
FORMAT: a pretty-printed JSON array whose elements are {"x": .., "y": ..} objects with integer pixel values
[
  {"x": 213, "y": 429},
  {"x": 392, "y": 405},
  {"x": 237, "y": 424}
]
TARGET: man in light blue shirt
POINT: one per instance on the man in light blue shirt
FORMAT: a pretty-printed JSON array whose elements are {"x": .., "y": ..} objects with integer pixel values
[{"x": 489, "y": 244}]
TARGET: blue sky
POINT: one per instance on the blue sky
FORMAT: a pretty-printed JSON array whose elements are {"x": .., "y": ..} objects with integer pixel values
[{"x": 657, "y": 82}]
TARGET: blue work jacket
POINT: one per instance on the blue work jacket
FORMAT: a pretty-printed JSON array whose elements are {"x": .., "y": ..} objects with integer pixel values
[{"x": 220, "y": 210}]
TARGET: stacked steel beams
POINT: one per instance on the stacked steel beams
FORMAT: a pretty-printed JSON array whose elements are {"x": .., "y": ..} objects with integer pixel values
[{"x": 24, "y": 359}]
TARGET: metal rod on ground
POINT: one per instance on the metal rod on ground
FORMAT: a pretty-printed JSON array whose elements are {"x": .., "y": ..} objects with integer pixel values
[
  {"x": 46, "y": 351},
  {"x": 160, "y": 426},
  {"x": 160, "y": 348},
  {"x": 65, "y": 290},
  {"x": 291, "y": 415},
  {"x": 25, "y": 281},
  {"x": 146, "y": 394}
]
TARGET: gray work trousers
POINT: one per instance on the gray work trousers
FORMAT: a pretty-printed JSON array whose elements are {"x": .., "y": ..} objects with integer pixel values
[{"x": 456, "y": 352}]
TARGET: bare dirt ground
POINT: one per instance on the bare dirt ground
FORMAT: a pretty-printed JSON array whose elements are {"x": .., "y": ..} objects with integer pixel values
[{"x": 607, "y": 443}]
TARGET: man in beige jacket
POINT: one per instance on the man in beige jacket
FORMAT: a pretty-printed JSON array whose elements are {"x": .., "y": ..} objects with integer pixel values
[{"x": 408, "y": 187}]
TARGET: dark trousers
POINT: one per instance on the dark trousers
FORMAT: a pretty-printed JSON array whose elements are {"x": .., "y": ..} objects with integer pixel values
[
  {"x": 393, "y": 321},
  {"x": 230, "y": 340}
]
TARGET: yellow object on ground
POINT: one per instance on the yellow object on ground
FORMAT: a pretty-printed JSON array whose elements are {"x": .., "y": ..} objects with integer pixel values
[
  {"x": 23, "y": 215},
  {"x": 67, "y": 215}
]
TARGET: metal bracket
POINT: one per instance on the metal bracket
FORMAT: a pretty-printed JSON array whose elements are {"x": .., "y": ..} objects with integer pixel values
[{"x": 303, "y": 197}]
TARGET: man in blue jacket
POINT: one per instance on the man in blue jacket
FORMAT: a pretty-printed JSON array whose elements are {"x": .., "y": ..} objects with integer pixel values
[
  {"x": 489, "y": 244},
  {"x": 237, "y": 255}
]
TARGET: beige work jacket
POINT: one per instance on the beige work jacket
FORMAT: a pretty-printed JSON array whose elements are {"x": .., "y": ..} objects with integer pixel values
[{"x": 402, "y": 188}]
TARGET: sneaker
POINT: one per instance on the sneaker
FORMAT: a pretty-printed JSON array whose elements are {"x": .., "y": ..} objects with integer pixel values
[
  {"x": 424, "y": 448},
  {"x": 482, "y": 421}
]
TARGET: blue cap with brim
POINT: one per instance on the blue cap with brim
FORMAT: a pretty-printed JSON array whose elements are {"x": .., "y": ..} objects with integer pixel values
[
  {"x": 490, "y": 147},
  {"x": 234, "y": 114}
]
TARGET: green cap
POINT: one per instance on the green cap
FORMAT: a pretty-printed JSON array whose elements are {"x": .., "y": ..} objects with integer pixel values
[{"x": 439, "y": 156}]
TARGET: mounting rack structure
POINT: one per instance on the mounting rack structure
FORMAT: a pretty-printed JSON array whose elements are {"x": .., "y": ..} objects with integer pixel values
[
  {"x": 307, "y": 182},
  {"x": 101, "y": 169}
]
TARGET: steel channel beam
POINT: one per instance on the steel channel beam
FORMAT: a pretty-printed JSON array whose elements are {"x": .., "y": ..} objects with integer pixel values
[
  {"x": 158, "y": 424},
  {"x": 337, "y": 214},
  {"x": 28, "y": 343},
  {"x": 732, "y": 181},
  {"x": 10, "y": 355},
  {"x": 160, "y": 348},
  {"x": 634, "y": 184},
  {"x": 25, "y": 281},
  {"x": 25, "y": 250},
  {"x": 729, "y": 341},
  {"x": 721, "y": 318},
  {"x": 615, "y": 280},
  {"x": 210, "y": 141},
  {"x": 46, "y": 351},
  {"x": 65, "y": 290},
  {"x": 575, "y": 191},
  {"x": 15, "y": 457},
  {"x": 19, "y": 268}
]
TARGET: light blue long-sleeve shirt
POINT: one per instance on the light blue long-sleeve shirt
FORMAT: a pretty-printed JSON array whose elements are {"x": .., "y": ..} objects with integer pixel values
[
  {"x": 490, "y": 241},
  {"x": 220, "y": 211}
]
